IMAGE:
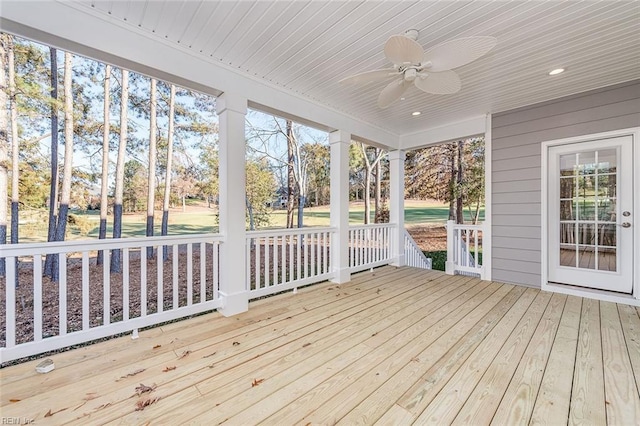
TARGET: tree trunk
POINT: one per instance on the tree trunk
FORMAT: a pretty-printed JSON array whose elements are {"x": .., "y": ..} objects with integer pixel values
[
  {"x": 167, "y": 179},
  {"x": 290, "y": 173},
  {"x": 252, "y": 222},
  {"x": 367, "y": 198},
  {"x": 369, "y": 165},
  {"x": 65, "y": 193},
  {"x": 378, "y": 190},
  {"x": 452, "y": 182},
  {"x": 15, "y": 153},
  {"x": 301, "y": 202},
  {"x": 151, "y": 191},
  {"x": 4, "y": 148},
  {"x": 116, "y": 263},
  {"x": 459, "y": 194},
  {"x": 104, "y": 181},
  {"x": 53, "y": 192}
]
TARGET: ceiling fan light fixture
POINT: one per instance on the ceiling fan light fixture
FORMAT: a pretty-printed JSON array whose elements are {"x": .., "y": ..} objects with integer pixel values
[
  {"x": 556, "y": 71},
  {"x": 416, "y": 113}
]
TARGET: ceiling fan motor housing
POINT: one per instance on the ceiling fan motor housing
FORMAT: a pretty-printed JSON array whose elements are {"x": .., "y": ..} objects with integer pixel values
[{"x": 410, "y": 74}]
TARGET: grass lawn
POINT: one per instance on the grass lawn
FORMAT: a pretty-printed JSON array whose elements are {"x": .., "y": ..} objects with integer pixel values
[{"x": 199, "y": 219}]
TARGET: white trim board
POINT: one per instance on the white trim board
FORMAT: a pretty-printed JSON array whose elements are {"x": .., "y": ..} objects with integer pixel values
[
  {"x": 487, "y": 236},
  {"x": 634, "y": 298}
]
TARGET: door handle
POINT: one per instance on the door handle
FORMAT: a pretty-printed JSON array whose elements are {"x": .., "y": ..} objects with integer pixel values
[{"x": 625, "y": 225}]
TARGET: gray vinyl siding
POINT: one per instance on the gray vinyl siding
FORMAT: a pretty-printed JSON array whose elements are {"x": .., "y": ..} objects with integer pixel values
[{"x": 517, "y": 136}]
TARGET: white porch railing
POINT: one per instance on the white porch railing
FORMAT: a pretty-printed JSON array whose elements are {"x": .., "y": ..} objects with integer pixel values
[
  {"x": 413, "y": 256},
  {"x": 464, "y": 249},
  {"x": 370, "y": 245},
  {"x": 285, "y": 259},
  {"x": 91, "y": 302}
]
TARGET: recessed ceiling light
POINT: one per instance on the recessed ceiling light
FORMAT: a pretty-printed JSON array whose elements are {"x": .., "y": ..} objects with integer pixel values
[
  {"x": 556, "y": 71},
  {"x": 416, "y": 113}
]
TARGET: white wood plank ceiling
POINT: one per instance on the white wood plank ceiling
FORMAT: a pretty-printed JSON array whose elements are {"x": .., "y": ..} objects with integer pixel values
[{"x": 306, "y": 47}]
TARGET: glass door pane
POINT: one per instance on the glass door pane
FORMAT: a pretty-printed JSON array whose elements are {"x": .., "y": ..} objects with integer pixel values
[{"x": 588, "y": 209}]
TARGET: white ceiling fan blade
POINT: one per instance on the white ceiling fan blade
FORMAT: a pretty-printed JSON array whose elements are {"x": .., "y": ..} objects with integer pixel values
[
  {"x": 402, "y": 50},
  {"x": 438, "y": 83},
  {"x": 392, "y": 92},
  {"x": 455, "y": 53},
  {"x": 370, "y": 76}
]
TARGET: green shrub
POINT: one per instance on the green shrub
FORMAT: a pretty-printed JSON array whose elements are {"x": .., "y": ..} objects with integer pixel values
[{"x": 438, "y": 259}]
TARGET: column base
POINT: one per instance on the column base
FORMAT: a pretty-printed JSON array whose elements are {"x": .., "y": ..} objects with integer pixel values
[
  {"x": 449, "y": 268},
  {"x": 399, "y": 261},
  {"x": 342, "y": 276},
  {"x": 233, "y": 304}
]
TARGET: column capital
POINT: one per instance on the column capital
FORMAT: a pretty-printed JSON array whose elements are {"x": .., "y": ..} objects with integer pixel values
[
  {"x": 339, "y": 136},
  {"x": 397, "y": 154},
  {"x": 231, "y": 102}
]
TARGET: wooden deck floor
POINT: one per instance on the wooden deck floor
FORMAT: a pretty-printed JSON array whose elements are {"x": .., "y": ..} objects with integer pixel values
[{"x": 395, "y": 346}]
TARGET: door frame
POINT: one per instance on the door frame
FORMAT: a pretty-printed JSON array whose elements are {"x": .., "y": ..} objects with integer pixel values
[{"x": 634, "y": 297}]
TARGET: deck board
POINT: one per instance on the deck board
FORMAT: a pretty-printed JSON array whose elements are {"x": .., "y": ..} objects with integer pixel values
[
  {"x": 587, "y": 398},
  {"x": 631, "y": 326},
  {"x": 621, "y": 393},
  {"x": 481, "y": 405},
  {"x": 554, "y": 396},
  {"x": 393, "y": 346}
]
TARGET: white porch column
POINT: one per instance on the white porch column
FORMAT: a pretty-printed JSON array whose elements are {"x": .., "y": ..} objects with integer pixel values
[
  {"x": 339, "y": 209},
  {"x": 231, "y": 111},
  {"x": 396, "y": 204}
]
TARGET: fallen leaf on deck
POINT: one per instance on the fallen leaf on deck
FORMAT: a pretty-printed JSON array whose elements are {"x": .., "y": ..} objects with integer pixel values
[
  {"x": 105, "y": 405},
  {"x": 141, "y": 405},
  {"x": 133, "y": 373},
  {"x": 236, "y": 343},
  {"x": 211, "y": 354},
  {"x": 167, "y": 369},
  {"x": 144, "y": 388},
  {"x": 157, "y": 346},
  {"x": 256, "y": 382},
  {"x": 306, "y": 344},
  {"x": 89, "y": 397},
  {"x": 14, "y": 400},
  {"x": 51, "y": 413},
  {"x": 184, "y": 354}
]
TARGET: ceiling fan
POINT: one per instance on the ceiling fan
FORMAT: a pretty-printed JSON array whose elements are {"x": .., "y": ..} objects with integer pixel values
[{"x": 430, "y": 71}]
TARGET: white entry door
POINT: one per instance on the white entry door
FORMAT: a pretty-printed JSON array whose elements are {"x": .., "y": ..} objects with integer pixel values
[{"x": 590, "y": 232}]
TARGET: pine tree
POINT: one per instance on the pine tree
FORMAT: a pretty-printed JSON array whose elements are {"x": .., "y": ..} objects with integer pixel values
[
  {"x": 153, "y": 139},
  {"x": 104, "y": 187},
  {"x": 53, "y": 188},
  {"x": 116, "y": 261},
  {"x": 167, "y": 180},
  {"x": 4, "y": 145}
]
